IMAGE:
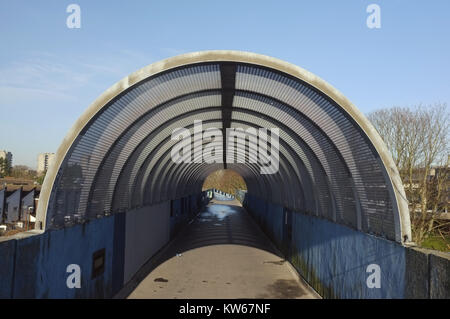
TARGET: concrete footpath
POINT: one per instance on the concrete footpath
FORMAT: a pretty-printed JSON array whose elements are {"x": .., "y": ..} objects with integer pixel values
[{"x": 221, "y": 254}]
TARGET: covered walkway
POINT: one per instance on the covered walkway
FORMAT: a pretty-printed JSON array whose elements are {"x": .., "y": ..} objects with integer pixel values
[
  {"x": 115, "y": 196},
  {"x": 221, "y": 254}
]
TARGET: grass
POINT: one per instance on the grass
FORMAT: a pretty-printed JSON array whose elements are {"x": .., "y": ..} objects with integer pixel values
[{"x": 437, "y": 243}]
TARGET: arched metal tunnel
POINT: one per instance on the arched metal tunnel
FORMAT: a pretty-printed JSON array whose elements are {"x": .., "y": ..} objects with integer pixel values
[
  {"x": 332, "y": 163},
  {"x": 116, "y": 200},
  {"x": 114, "y": 190}
]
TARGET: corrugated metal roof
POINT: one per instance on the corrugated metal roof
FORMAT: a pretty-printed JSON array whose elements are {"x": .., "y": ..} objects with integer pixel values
[{"x": 121, "y": 160}]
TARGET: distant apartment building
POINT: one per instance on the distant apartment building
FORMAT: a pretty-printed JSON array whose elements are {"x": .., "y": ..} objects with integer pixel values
[{"x": 44, "y": 162}]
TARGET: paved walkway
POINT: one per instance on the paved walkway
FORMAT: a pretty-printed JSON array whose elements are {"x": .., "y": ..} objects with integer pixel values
[{"x": 222, "y": 254}]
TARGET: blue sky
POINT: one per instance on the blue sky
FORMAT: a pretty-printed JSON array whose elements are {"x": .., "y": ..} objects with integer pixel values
[{"x": 49, "y": 74}]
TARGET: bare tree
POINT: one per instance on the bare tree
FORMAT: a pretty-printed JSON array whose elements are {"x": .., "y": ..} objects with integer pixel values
[
  {"x": 417, "y": 138},
  {"x": 227, "y": 180}
]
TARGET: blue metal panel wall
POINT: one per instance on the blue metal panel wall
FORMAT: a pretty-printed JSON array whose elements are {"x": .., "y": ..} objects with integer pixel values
[
  {"x": 184, "y": 209},
  {"x": 147, "y": 231},
  {"x": 175, "y": 216},
  {"x": 275, "y": 219},
  {"x": 331, "y": 257},
  {"x": 7, "y": 257},
  {"x": 192, "y": 205},
  {"x": 119, "y": 252},
  {"x": 41, "y": 262},
  {"x": 334, "y": 259},
  {"x": 269, "y": 216}
]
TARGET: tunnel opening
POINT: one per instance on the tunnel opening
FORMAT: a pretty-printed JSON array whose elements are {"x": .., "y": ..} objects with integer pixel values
[{"x": 225, "y": 180}]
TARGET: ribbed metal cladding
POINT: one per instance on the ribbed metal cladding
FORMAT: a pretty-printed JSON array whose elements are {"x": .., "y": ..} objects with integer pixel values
[
  {"x": 163, "y": 176},
  {"x": 128, "y": 190},
  {"x": 141, "y": 171},
  {"x": 334, "y": 166},
  {"x": 153, "y": 170},
  {"x": 69, "y": 200},
  {"x": 121, "y": 160},
  {"x": 296, "y": 183},
  {"x": 361, "y": 160},
  {"x": 148, "y": 127},
  {"x": 167, "y": 172},
  {"x": 324, "y": 205},
  {"x": 179, "y": 173}
]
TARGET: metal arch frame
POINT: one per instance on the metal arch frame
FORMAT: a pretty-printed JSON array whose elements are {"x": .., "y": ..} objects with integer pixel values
[
  {"x": 310, "y": 94},
  {"x": 308, "y": 151},
  {"x": 324, "y": 161},
  {"x": 161, "y": 144},
  {"x": 201, "y": 93},
  {"x": 400, "y": 207},
  {"x": 168, "y": 173},
  {"x": 251, "y": 168},
  {"x": 292, "y": 133},
  {"x": 119, "y": 104},
  {"x": 239, "y": 169},
  {"x": 155, "y": 133},
  {"x": 163, "y": 157},
  {"x": 256, "y": 114},
  {"x": 259, "y": 97},
  {"x": 141, "y": 169},
  {"x": 141, "y": 121},
  {"x": 279, "y": 178},
  {"x": 182, "y": 115},
  {"x": 301, "y": 115},
  {"x": 191, "y": 174},
  {"x": 147, "y": 161}
]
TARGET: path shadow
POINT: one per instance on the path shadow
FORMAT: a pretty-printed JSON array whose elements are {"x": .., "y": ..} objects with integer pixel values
[{"x": 219, "y": 223}]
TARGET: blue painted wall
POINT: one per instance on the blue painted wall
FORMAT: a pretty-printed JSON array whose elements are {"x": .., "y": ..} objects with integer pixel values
[
  {"x": 333, "y": 258},
  {"x": 7, "y": 256},
  {"x": 175, "y": 217},
  {"x": 35, "y": 266},
  {"x": 269, "y": 216},
  {"x": 41, "y": 262},
  {"x": 118, "y": 252},
  {"x": 147, "y": 231}
]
